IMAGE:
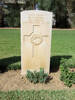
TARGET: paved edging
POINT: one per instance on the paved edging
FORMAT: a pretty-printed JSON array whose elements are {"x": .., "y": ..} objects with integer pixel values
[{"x": 53, "y": 28}]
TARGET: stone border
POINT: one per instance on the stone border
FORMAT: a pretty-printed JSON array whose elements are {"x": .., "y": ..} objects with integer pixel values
[
  {"x": 53, "y": 28},
  {"x": 63, "y": 28},
  {"x": 9, "y": 28}
]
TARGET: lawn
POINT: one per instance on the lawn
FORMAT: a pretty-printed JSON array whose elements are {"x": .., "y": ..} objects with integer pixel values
[
  {"x": 63, "y": 45},
  {"x": 63, "y": 42},
  {"x": 9, "y": 43},
  {"x": 38, "y": 95}
]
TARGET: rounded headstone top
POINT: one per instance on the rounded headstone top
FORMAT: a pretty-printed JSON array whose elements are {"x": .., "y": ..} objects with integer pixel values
[{"x": 36, "y": 11}]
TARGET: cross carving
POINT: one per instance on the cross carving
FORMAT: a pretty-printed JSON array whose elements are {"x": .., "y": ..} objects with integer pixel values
[{"x": 35, "y": 37}]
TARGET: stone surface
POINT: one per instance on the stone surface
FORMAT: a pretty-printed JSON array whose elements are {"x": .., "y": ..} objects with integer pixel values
[{"x": 36, "y": 29}]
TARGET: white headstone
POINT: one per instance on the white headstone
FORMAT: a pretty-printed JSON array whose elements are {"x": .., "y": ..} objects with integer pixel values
[{"x": 36, "y": 29}]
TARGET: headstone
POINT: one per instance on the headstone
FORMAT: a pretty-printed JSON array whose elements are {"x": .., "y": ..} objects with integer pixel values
[{"x": 36, "y": 29}]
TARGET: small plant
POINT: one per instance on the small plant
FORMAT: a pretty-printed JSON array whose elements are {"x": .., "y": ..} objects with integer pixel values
[
  {"x": 37, "y": 77},
  {"x": 67, "y": 76},
  {"x": 14, "y": 66}
]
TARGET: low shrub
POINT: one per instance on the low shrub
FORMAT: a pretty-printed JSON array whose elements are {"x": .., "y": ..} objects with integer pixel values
[
  {"x": 14, "y": 66},
  {"x": 37, "y": 77},
  {"x": 68, "y": 62},
  {"x": 66, "y": 76}
]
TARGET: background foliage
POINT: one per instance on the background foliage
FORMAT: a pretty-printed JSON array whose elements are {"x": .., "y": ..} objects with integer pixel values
[
  {"x": 13, "y": 16},
  {"x": 64, "y": 11}
]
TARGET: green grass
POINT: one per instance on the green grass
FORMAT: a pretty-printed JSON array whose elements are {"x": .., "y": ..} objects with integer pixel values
[
  {"x": 9, "y": 49},
  {"x": 9, "y": 43},
  {"x": 63, "y": 44},
  {"x": 38, "y": 95}
]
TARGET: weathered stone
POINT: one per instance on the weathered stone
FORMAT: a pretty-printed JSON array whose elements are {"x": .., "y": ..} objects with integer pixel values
[{"x": 36, "y": 28}]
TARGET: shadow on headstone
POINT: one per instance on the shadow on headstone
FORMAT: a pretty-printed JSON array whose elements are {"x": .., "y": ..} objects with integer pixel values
[
  {"x": 4, "y": 63},
  {"x": 55, "y": 62}
]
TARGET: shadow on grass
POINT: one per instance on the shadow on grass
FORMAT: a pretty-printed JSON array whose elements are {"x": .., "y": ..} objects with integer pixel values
[
  {"x": 4, "y": 63},
  {"x": 55, "y": 62}
]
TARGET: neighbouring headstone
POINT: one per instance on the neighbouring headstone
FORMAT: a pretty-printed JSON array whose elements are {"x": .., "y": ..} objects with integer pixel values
[{"x": 36, "y": 29}]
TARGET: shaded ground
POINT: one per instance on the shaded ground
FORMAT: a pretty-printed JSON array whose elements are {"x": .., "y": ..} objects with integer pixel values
[{"x": 12, "y": 80}]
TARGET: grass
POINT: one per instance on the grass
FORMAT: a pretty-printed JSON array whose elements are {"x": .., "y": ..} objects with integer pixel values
[
  {"x": 9, "y": 43},
  {"x": 63, "y": 45},
  {"x": 9, "y": 49},
  {"x": 63, "y": 42},
  {"x": 38, "y": 95}
]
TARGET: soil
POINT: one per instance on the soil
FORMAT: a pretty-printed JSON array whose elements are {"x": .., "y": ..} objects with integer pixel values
[
  {"x": 72, "y": 69},
  {"x": 12, "y": 80}
]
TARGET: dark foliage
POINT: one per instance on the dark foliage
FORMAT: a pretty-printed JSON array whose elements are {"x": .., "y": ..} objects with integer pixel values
[
  {"x": 66, "y": 76},
  {"x": 12, "y": 18},
  {"x": 38, "y": 77}
]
